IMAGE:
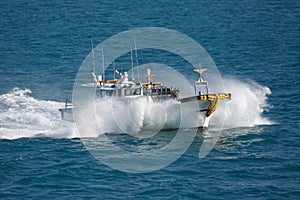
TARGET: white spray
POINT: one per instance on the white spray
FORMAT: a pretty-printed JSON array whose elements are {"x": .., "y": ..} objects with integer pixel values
[{"x": 245, "y": 109}]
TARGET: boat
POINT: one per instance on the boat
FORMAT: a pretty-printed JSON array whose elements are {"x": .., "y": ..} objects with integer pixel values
[
  {"x": 196, "y": 109},
  {"x": 122, "y": 88}
]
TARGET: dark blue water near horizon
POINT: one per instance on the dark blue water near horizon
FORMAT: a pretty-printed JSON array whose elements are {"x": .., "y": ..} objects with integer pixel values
[{"x": 256, "y": 47}]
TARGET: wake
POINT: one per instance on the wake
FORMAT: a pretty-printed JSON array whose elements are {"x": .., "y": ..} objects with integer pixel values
[{"x": 24, "y": 116}]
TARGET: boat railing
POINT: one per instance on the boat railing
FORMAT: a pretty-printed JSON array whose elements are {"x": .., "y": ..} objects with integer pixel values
[
  {"x": 68, "y": 104},
  {"x": 199, "y": 86}
]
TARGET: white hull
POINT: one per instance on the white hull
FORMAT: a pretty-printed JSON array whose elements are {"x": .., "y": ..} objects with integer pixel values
[{"x": 136, "y": 114}]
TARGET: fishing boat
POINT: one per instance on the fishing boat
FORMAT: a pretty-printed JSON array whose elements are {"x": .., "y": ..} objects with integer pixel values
[
  {"x": 154, "y": 92},
  {"x": 198, "y": 107}
]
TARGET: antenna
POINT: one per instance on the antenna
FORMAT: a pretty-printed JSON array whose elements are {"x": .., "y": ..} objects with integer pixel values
[
  {"x": 93, "y": 55},
  {"x": 114, "y": 70},
  {"x": 103, "y": 74},
  {"x": 131, "y": 63},
  {"x": 200, "y": 71},
  {"x": 136, "y": 56}
]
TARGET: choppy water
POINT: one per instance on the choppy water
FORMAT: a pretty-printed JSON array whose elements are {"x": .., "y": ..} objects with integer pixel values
[{"x": 256, "y": 48}]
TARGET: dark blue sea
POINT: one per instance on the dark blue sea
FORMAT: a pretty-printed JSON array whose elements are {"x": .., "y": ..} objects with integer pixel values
[{"x": 254, "y": 44}]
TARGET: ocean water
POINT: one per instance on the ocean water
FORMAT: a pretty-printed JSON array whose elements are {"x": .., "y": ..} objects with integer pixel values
[{"x": 255, "y": 46}]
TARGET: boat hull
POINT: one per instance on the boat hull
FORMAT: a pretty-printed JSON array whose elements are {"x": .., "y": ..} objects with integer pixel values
[
  {"x": 67, "y": 114},
  {"x": 157, "y": 115}
]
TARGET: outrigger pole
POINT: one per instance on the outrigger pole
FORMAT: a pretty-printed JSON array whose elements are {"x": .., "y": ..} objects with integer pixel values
[
  {"x": 93, "y": 63},
  {"x": 136, "y": 57}
]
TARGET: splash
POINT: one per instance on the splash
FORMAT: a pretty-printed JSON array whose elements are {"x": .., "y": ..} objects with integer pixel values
[
  {"x": 247, "y": 106},
  {"x": 24, "y": 116},
  {"x": 136, "y": 117}
]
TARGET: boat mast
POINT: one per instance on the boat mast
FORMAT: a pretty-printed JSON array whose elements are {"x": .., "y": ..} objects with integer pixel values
[
  {"x": 103, "y": 74},
  {"x": 200, "y": 80},
  {"x": 136, "y": 56},
  {"x": 149, "y": 85},
  {"x": 93, "y": 55},
  {"x": 131, "y": 63},
  {"x": 149, "y": 76}
]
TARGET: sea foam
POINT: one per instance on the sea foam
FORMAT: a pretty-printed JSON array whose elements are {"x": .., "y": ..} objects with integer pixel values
[{"x": 24, "y": 116}]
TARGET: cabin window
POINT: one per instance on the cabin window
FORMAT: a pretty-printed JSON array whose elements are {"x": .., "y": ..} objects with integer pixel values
[
  {"x": 104, "y": 93},
  {"x": 137, "y": 91},
  {"x": 128, "y": 92}
]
